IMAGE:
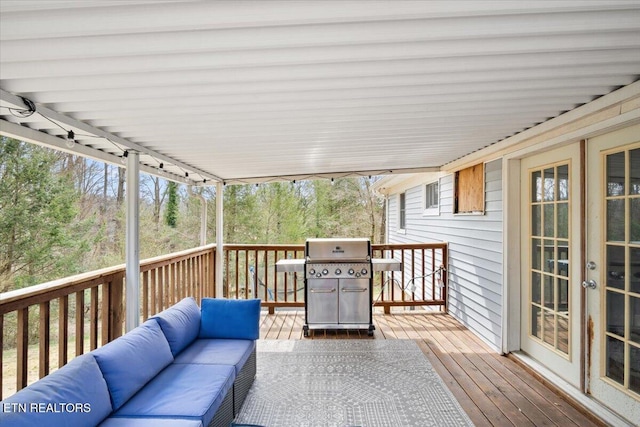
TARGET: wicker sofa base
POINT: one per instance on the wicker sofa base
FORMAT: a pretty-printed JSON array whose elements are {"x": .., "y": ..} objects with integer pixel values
[
  {"x": 224, "y": 415},
  {"x": 243, "y": 383}
]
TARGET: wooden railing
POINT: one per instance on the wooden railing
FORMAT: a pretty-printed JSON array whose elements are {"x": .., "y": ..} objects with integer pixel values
[
  {"x": 44, "y": 326},
  {"x": 251, "y": 273},
  {"x": 51, "y": 323}
]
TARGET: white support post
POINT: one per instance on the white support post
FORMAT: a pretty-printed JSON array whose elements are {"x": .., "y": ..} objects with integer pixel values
[
  {"x": 219, "y": 239},
  {"x": 132, "y": 317}
]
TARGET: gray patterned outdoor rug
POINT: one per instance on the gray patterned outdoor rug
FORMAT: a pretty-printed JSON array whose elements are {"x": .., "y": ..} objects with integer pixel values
[{"x": 348, "y": 383}]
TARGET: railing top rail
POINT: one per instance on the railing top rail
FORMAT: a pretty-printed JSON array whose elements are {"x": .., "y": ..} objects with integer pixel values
[
  {"x": 263, "y": 247},
  {"x": 398, "y": 246},
  {"x": 90, "y": 278}
]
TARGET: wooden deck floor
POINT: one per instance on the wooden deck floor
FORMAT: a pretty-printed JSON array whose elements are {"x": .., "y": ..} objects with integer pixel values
[{"x": 492, "y": 389}]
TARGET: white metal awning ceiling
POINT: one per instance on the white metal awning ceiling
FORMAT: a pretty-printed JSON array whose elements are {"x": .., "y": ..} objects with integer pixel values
[{"x": 248, "y": 91}]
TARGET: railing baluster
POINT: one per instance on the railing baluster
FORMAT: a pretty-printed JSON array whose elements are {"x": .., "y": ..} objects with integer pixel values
[
  {"x": 63, "y": 330},
  {"x": 145, "y": 295},
  {"x": 79, "y": 323},
  {"x": 104, "y": 332},
  {"x": 93, "y": 319},
  {"x": 237, "y": 272},
  {"x": 23, "y": 348},
  {"x": 44, "y": 332}
]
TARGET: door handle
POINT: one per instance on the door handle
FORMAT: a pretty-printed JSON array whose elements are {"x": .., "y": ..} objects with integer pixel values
[
  {"x": 354, "y": 289},
  {"x": 589, "y": 284},
  {"x": 322, "y": 291}
]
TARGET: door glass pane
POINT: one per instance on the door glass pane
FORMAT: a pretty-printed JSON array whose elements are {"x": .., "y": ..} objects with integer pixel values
[
  {"x": 615, "y": 313},
  {"x": 549, "y": 185},
  {"x": 634, "y": 374},
  {"x": 634, "y": 285},
  {"x": 563, "y": 182},
  {"x": 549, "y": 327},
  {"x": 615, "y": 267},
  {"x": 634, "y": 217},
  {"x": 615, "y": 174},
  {"x": 536, "y": 220},
  {"x": 536, "y": 254},
  {"x": 536, "y": 322},
  {"x": 563, "y": 295},
  {"x": 547, "y": 291},
  {"x": 547, "y": 219},
  {"x": 634, "y": 320},
  {"x": 615, "y": 359},
  {"x": 615, "y": 220},
  {"x": 563, "y": 334},
  {"x": 548, "y": 256},
  {"x": 536, "y": 186},
  {"x": 634, "y": 164},
  {"x": 563, "y": 220},
  {"x": 563, "y": 258},
  {"x": 536, "y": 293}
]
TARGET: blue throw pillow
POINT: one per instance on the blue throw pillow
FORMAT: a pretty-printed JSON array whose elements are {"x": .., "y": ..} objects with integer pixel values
[
  {"x": 180, "y": 324},
  {"x": 132, "y": 360},
  {"x": 230, "y": 318},
  {"x": 74, "y": 395}
]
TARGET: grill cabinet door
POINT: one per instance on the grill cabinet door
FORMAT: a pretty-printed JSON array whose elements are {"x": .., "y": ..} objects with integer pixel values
[
  {"x": 355, "y": 304},
  {"x": 322, "y": 301}
]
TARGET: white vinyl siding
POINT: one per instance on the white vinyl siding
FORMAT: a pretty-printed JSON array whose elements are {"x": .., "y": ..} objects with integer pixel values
[{"x": 475, "y": 250}]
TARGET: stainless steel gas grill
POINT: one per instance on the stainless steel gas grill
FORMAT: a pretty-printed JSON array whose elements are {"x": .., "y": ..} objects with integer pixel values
[{"x": 338, "y": 283}]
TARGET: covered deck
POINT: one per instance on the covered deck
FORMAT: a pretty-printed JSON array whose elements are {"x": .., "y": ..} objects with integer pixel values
[{"x": 493, "y": 390}]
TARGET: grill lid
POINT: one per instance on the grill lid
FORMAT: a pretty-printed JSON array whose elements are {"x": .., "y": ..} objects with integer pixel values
[{"x": 338, "y": 250}]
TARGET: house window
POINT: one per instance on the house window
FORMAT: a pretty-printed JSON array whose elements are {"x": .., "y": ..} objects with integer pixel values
[
  {"x": 469, "y": 190},
  {"x": 403, "y": 211},
  {"x": 431, "y": 199}
]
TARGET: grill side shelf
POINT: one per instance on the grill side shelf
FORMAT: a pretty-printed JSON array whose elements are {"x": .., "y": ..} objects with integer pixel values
[{"x": 290, "y": 265}]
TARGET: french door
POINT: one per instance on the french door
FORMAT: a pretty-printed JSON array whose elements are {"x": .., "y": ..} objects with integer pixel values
[
  {"x": 613, "y": 271},
  {"x": 550, "y": 257}
]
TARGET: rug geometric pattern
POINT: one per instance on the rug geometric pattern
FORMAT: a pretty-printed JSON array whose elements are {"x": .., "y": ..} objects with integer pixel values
[{"x": 348, "y": 383}]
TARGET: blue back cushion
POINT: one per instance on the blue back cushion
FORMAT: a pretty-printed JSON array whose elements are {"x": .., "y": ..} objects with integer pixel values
[
  {"x": 79, "y": 384},
  {"x": 130, "y": 361},
  {"x": 230, "y": 318},
  {"x": 180, "y": 324}
]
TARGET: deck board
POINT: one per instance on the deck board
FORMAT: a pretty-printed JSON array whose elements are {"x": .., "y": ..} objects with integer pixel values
[{"x": 492, "y": 389}]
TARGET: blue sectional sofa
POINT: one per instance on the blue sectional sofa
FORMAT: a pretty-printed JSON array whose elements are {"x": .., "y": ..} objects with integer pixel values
[{"x": 186, "y": 366}]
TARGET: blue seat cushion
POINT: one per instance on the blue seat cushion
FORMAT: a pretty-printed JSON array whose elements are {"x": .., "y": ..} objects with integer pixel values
[
  {"x": 218, "y": 352},
  {"x": 180, "y": 324},
  {"x": 132, "y": 360},
  {"x": 79, "y": 384},
  {"x": 229, "y": 318},
  {"x": 182, "y": 391},
  {"x": 150, "y": 422}
]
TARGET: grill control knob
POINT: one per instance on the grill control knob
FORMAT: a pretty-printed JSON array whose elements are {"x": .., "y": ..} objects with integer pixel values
[
  {"x": 338, "y": 272},
  {"x": 325, "y": 271},
  {"x": 312, "y": 272},
  {"x": 318, "y": 275},
  {"x": 364, "y": 271},
  {"x": 351, "y": 272}
]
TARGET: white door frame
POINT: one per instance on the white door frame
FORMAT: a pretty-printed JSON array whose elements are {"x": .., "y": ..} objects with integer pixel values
[{"x": 512, "y": 215}]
